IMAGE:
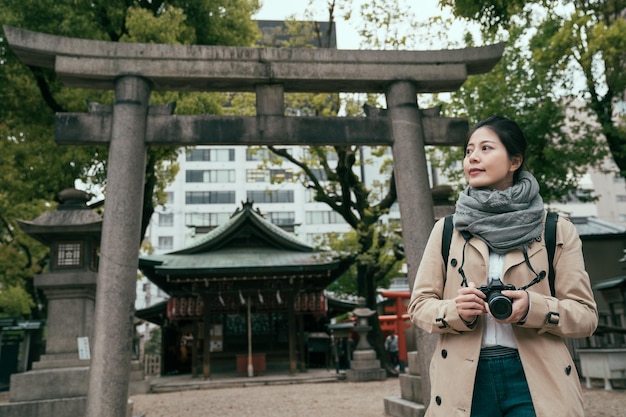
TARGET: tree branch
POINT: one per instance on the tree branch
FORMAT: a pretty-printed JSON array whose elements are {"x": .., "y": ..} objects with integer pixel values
[{"x": 44, "y": 89}]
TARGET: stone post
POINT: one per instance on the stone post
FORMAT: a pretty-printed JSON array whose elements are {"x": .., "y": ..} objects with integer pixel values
[
  {"x": 414, "y": 195},
  {"x": 115, "y": 296}
]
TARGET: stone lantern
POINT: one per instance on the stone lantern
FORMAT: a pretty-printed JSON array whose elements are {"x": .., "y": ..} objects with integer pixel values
[
  {"x": 362, "y": 327},
  {"x": 58, "y": 383},
  {"x": 364, "y": 366}
]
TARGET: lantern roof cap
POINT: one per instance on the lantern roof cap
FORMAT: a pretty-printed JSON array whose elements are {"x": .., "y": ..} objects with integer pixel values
[{"x": 72, "y": 218}]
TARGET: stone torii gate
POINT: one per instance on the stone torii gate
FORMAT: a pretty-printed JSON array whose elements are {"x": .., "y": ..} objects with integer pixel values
[{"x": 133, "y": 71}]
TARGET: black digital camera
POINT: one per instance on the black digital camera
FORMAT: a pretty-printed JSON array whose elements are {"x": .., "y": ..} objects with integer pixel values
[{"x": 499, "y": 305}]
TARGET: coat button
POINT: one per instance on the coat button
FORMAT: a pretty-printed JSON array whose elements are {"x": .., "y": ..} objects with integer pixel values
[
  {"x": 444, "y": 353},
  {"x": 568, "y": 370},
  {"x": 438, "y": 400},
  {"x": 453, "y": 262}
]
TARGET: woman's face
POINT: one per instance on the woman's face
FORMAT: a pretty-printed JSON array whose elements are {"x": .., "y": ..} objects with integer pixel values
[{"x": 487, "y": 163}]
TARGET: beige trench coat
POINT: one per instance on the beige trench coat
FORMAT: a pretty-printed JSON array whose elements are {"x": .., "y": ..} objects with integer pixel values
[{"x": 552, "y": 378}]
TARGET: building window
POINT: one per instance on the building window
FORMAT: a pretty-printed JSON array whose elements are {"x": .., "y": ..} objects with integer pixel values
[
  {"x": 282, "y": 218},
  {"x": 309, "y": 196},
  {"x": 581, "y": 196},
  {"x": 210, "y": 176},
  {"x": 210, "y": 197},
  {"x": 621, "y": 198},
  {"x": 280, "y": 196},
  {"x": 213, "y": 155},
  {"x": 69, "y": 254},
  {"x": 166, "y": 219},
  {"x": 323, "y": 217},
  {"x": 281, "y": 175},
  {"x": 331, "y": 155},
  {"x": 257, "y": 175},
  {"x": 586, "y": 196},
  {"x": 262, "y": 154},
  {"x": 320, "y": 174},
  {"x": 166, "y": 242},
  {"x": 169, "y": 197},
  {"x": 205, "y": 219},
  {"x": 256, "y": 154}
]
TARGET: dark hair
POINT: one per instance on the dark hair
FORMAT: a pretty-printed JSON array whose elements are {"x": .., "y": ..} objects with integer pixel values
[{"x": 509, "y": 133}]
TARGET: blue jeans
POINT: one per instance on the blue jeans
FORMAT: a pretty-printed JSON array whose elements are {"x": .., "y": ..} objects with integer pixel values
[{"x": 501, "y": 389}]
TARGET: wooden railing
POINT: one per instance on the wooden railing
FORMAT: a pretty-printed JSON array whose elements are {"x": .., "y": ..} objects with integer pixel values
[{"x": 152, "y": 364}]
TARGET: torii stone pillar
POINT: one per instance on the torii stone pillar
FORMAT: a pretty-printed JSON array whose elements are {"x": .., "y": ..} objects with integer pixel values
[
  {"x": 119, "y": 250},
  {"x": 132, "y": 70},
  {"x": 416, "y": 208}
]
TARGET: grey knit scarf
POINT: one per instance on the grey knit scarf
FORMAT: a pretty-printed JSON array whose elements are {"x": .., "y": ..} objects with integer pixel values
[{"x": 504, "y": 220}]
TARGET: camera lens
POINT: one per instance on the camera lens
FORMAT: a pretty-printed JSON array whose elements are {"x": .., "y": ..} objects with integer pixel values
[{"x": 500, "y": 306}]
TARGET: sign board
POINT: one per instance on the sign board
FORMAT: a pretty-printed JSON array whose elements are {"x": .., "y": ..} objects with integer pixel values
[{"x": 83, "y": 349}]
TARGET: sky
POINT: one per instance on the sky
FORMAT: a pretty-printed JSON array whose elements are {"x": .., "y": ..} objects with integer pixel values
[{"x": 347, "y": 37}]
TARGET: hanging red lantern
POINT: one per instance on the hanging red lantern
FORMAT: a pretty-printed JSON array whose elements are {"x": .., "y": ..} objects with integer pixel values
[
  {"x": 322, "y": 302},
  {"x": 183, "y": 306},
  {"x": 191, "y": 306},
  {"x": 199, "y": 307},
  {"x": 312, "y": 302}
]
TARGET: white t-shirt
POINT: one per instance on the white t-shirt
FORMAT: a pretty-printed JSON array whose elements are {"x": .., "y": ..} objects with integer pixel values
[{"x": 497, "y": 333}]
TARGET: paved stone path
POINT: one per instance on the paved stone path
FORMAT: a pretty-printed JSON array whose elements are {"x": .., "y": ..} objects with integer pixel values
[{"x": 336, "y": 399}]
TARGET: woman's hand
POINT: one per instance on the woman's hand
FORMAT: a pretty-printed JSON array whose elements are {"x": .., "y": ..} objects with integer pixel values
[
  {"x": 521, "y": 304},
  {"x": 470, "y": 303}
]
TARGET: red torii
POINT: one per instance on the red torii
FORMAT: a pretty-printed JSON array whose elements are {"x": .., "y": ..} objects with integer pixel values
[{"x": 396, "y": 321}]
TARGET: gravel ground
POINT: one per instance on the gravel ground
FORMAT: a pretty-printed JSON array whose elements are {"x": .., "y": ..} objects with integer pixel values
[{"x": 363, "y": 399}]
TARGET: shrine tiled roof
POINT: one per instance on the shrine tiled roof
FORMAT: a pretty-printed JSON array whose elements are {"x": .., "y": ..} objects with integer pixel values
[
  {"x": 233, "y": 260},
  {"x": 247, "y": 247},
  {"x": 246, "y": 225}
]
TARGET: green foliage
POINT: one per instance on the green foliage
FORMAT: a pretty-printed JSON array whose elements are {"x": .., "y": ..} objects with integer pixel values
[
  {"x": 379, "y": 23},
  {"x": 34, "y": 168},
  {"x": 573, "y": 41},
  {"x": 15, "y": 301},
  {"x": 522, "y": 89},
  {"x": 168, "y": 27},
  {"x": 153, "y": 344},
  {"x": 491, "y": 14},
  {"x": 382, "y": 256}
]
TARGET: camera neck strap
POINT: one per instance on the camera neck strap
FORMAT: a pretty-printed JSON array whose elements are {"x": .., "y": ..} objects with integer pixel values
[
  {"x": 550, "y": 240},
  {"x": 538, "y": 276}
]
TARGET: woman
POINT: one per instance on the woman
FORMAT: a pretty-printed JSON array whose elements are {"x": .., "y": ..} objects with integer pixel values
[{"x": 518, "y": 365}]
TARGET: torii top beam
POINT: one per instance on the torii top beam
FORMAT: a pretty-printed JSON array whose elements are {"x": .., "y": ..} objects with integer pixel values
[{"x": 97, "y": 64}]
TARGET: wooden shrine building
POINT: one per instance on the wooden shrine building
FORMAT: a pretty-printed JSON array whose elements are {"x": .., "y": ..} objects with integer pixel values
[{"x": 243, "y": 297}]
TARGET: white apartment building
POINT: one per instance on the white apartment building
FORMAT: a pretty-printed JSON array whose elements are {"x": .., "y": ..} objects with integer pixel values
[
  {"x": 610, "y": 190},
  {"x": 215, "y": 180}
]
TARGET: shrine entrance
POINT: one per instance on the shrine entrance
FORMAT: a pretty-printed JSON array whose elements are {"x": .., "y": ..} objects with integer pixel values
[
  {"x": 245, "y": 298},
  {"x": 133, "y": 71}
]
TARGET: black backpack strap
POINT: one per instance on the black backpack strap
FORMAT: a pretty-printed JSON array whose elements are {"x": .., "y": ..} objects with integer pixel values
[
  {"x": 446, "y": 239},
  {"x": 550, "y": 237}
]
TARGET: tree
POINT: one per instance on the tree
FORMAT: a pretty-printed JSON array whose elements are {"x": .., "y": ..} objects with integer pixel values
[
  {"x": 334, "y": 174},
  {"x": 153, "y": 344},
  {"x": 587, "y": 40},
  {"x": 35, "y": 169},
  {"x": 523, "y": 90}
]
